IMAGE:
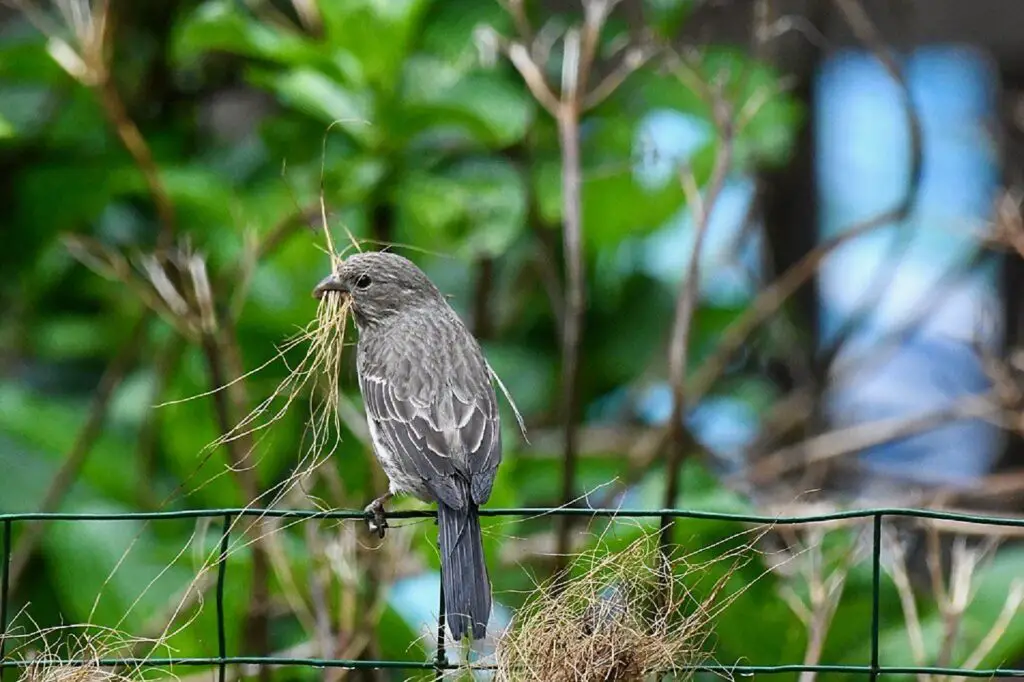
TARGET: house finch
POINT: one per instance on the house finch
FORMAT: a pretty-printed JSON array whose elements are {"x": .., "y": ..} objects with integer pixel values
[{"x": 432, "y": 413}]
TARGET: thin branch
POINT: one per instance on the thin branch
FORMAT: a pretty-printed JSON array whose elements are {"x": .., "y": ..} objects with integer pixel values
[
  {"x": 865, "y": 31},
  {"x": 851, "y": 439},
  {"x": 774, "y": 296},
  {"x": 679, "y": 345},
  {"x": 223, "y": 361},
  {"x": 1012, "y": 605},
  {"x": 897, "y": 570},
  {"x": 165, "y": 361},
  {"x": 633, "y": 60},
  {"x": 572, "y": 330},
  {"x": 770, "y": 300},
  {"x": 517, "y": 11},
  {"x": 581, "y": 45},
  {"x": 534, "y": 78},
  {"x": 68, "y": 473},
  {"x": 483, "y": 318},
  {"x": 595, "y": 14},
  {"x": 284, "y": 229},
  {"x": 136, "y": 145}
]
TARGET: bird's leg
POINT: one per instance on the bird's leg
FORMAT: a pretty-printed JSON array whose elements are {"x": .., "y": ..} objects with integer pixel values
[{"x": 378, "y": 522}]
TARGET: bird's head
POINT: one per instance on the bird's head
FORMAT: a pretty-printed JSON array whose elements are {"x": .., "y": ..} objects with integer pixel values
[{"x": 380, "y": 285}]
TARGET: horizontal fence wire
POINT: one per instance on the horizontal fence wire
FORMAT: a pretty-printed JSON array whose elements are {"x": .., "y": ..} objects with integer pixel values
[{"x": 440, "y": 663}]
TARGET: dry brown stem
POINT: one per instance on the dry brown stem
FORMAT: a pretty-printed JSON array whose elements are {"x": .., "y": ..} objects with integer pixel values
[
  {"x": 701, "y": 207},
  {"x": 567, "y": 103},
  {"x": 82, "y": 446},
  {"x": 824, "y": 581},
  {"x": 852, "y": 439},
  {"x": 772, "y": 297}
]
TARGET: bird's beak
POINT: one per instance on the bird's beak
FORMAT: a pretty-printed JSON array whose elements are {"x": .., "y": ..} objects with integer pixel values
[{"x": 330, "y": 283}]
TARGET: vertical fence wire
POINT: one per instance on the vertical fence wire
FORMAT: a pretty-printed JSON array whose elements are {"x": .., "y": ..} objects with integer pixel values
[
  {"x": 441, "y": 662},
  {"x": 222, "y": 646},
  {"x": 5, "y": 590},
  {"x": 876, "y": 591}
]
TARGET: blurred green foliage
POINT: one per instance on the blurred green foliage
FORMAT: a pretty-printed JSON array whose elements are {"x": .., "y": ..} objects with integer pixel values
[{"x": 428, "y": 148}]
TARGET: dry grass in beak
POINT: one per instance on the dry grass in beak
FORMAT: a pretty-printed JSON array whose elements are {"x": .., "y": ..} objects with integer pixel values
[
  {"x": 320, "y": 367},
  {"x": 327, "y": 348}
]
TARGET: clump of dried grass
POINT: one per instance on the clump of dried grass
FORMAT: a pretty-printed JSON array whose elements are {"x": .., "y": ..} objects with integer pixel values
[
  {"x": 73, "y": 653},
  {"x": 613, "y": 617}
]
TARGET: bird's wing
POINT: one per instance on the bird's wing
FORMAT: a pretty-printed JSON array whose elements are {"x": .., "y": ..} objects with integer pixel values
[
  {"x": 442, "y": 429},
  {"x": 480, "y": 434}
]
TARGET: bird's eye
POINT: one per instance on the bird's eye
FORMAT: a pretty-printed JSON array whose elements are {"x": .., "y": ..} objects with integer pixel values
[{"x": 363, "y": 282}]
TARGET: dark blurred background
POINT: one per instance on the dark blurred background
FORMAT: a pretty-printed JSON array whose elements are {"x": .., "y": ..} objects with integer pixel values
[{"x": 853, "y": 340}]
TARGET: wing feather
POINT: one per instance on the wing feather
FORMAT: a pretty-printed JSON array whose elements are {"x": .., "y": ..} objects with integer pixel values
[{"x": 437, "y": 415}]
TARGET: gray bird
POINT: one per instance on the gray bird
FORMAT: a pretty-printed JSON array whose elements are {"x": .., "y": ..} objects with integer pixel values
[{"x": 432, "y": 415}]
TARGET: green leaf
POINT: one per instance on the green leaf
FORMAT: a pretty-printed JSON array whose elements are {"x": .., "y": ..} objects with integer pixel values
[
  {"x": 80, "y": 201},
  {"x": 487, "y": 105},
  {"x": 51, "y": 426},
  {"x": 24, "y": 59},
  {"x": 616, "y": 203},
  {"x": 450, "y": 27},
  {"x": 529, "y": 376},
  {"x": 477, "y": 207},
  {"x": 772, "y": 116},
  {"x": 668, "y": 16},
  {"x": 375, "y": 34},
  {"x": 6, "y": 129},
  {"x": 219, "y": 25},
  {"x": 98, "y": 548},
  {"x": 324, "y": 98},
  {"x": 69, "y": 337}
]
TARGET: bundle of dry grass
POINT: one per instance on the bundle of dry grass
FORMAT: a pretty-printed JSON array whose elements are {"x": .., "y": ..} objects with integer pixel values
[
  {"x": 73, "y": 653},
  {"x": 87, "y": 672},
  {"x": 612, "y": 617}
]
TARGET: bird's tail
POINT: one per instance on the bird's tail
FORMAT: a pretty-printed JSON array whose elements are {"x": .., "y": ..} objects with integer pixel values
[{"x": 467, "y": 589}]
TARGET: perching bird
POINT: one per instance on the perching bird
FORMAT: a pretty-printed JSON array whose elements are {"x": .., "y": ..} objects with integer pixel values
[{"x": 432, "y": 414}]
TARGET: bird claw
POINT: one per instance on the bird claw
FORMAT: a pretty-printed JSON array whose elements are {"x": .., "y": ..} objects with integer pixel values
[{"x": 377, "y": 519}]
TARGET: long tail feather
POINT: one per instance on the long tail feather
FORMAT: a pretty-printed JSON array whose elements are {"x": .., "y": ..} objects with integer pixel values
[{"x": 467, "y": 589}]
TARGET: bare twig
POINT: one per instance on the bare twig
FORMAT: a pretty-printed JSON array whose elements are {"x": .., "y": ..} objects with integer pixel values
[
  {"x": 572, "y": 236},
  {"x": 896, "y": 567},
  {"x": 866, "y": 31},
  {"x": 82, "y": 446},
  {"x": 85, "y": 56},
  {"x": 165, "y": 361},
  {"x": 136, "y": 145},
  {"x": 483, "y": 319},
  {"x": 839, "y": 442},
  {"x": 1012, "y": 606},
  {"x": 678, "y": 351},
  {"x": 222, "y": 364},
  {"x": 775, "y": 295},
  {"x": 770, "y": 300},
  {"x": 824, "y": 588},
  {"x": 567, "y": 107}
]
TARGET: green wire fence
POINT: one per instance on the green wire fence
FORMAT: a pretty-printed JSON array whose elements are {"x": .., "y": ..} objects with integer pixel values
[{"x": 440, "y": 664}]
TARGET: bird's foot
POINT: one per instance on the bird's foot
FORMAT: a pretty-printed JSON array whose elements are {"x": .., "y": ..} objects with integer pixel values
[{"x": 377, "y": 520}]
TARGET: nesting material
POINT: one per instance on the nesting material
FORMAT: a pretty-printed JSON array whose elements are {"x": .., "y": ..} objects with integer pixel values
[
  {"x": 612, "y": 617},
  {"x": 45, "y": 653},
  {"x": 327, "y": 342},
  {"x": 61, "y": 673}
]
